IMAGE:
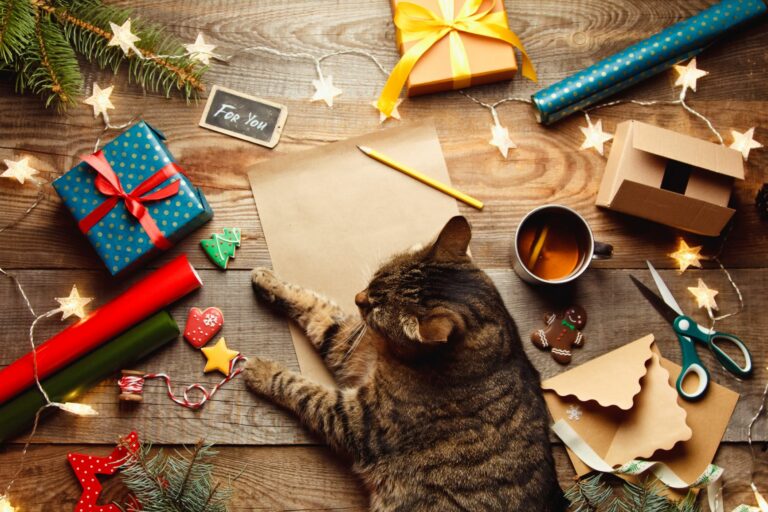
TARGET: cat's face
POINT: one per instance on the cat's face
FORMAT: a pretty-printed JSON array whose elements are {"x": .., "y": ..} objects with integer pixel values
[{"x": 407, "y": 301}]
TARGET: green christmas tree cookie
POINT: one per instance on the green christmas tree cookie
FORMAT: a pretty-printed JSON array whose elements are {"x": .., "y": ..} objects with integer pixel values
[{"x": 221, "y": 247}]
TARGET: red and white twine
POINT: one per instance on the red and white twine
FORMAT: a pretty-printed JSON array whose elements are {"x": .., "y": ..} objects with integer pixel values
[{"x": 134, "y": 384}]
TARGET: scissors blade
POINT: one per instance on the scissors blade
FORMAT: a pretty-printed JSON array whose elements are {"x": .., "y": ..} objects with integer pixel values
[
  {"x": 665, "y": 293},
  {"x": 658, "y": 304}
]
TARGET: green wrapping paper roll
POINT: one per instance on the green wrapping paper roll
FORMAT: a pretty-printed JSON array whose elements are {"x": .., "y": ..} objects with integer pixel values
[{"x": 72, "y": 381}]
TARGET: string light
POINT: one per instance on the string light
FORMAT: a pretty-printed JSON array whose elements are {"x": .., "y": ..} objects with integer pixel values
[
  {"x": 77, "y": 408},
  {"x": 74, "y": 305},
  {"x": 19, "y": 170},
  {"x": 124, "y": 38},
  {"x": 200, "y": 50},
  {"x": 100, "y": 101},
  {"x": 5, "y": 504},
  {"x": 395, "y": 114},
  {"x": 705, "y": 296},
  {"x": 687, "y": 75},
  {"x": 325, "y": 90},
  {"x": 744, "y": 142},
  {"x": 686, "y": 256},
  {"x": 594, "y": 136},
  {"x": 500, "y": 138}
]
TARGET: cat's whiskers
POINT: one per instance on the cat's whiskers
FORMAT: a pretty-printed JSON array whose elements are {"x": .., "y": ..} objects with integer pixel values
[{"x": 361, "y": 330}]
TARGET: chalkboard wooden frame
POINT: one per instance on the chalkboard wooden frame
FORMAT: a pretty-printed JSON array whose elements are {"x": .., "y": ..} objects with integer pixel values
[{"x": 280, "y": 123}]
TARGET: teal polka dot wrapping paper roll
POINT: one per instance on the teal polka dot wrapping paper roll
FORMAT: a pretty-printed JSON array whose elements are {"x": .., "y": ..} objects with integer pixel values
[
  {"x": 644, "y": 59},
  {"x": 119, "y": 238}
]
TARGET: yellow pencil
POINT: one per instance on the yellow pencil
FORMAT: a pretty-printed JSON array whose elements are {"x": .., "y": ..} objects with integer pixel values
[{"x": 413, "y": 173}]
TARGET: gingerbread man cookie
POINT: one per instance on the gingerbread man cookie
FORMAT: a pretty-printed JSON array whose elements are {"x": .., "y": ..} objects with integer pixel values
[{"x": 562, "y": 332}]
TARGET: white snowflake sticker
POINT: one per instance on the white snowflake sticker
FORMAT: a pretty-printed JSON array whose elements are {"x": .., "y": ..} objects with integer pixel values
[
  {"x": 209, "y": 320},
  {"x": 574, "y": 413}
]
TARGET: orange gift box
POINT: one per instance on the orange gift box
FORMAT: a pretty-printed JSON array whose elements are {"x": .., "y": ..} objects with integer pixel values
[{"x": 490, "y": 60}]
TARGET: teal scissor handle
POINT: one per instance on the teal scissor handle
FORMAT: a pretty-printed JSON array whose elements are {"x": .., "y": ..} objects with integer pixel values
[
  {"x": 691, "y": 361},
  {"x": 712, "y": 339}
]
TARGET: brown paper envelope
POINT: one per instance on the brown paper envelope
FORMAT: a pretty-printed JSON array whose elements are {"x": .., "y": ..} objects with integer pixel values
[
  {"x": 331, "y": 215},
  {"x": 653, "y": 422},
  {"x": 707, "y": 419}
]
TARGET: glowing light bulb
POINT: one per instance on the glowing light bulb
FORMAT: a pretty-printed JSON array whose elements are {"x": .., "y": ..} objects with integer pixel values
[
  {"x": 5, "y": 504},
  {"x": 77, "y": 409},
  {"x": 73, "y": 305},
  {"x": 686, "y": 256}
]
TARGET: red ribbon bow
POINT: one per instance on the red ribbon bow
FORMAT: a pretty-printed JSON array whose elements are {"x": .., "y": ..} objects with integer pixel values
[{"x": 108, "y": 183}]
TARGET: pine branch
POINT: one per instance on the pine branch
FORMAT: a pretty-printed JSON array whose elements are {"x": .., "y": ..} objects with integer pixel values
[
  {"x": 86, "y": 26},
  {"x": 39, "y": 38},
  {"x": 49, "y": 65},
  {"x": 17, "y": 25},
  {"x": 594, "y": 494}
]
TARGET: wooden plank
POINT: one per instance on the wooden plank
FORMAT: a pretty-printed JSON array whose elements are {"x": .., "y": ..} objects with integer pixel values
[
  {"x": 293, "y": 479},
  {"x": 617, "y": 314}
]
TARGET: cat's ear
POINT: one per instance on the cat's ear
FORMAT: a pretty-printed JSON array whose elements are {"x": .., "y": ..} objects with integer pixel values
[
  {"x": 453, "y": 241},
  {"x": 437, "y": 327}
]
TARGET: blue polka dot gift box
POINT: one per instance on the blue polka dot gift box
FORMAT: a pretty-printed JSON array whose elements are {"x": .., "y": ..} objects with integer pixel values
[
  {"x": 649, "y": 57},
  {"x": 131, "y": 199}
]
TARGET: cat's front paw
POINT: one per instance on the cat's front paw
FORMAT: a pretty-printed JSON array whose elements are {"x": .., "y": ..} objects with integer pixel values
[
  {"x": 259, "y": 373},
  {"x": 266, "y": 285}
]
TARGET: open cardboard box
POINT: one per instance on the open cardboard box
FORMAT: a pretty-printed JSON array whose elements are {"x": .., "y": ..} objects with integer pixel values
[{"x": 671, "y": 178}]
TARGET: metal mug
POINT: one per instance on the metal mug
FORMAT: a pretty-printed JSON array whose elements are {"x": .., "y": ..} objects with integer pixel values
[{"x": 593, "y": 249}]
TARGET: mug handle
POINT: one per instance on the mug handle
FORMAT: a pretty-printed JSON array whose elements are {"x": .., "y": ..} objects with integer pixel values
[{"x": 602, "y": 251}]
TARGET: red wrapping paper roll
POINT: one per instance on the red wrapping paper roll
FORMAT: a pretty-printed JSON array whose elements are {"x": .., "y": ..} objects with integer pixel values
[{"x": 162, "y": 287}]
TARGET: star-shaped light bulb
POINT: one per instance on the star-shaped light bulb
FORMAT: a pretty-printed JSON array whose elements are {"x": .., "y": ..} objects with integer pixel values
[
  {"x": 500, "y": 139},
  {"x": 395, "y": 114},
  {"x": 200, "y": 50},
  {"x": 705, "y": 296},
  {"x": 5, "y": 504},
  {"x": 100, "y": 101},
  {"x": 324, "y": 90},
  {"x": 124, "y": 38},
  {"x": 744, "y": 142},
  {"x": 688, "y": 74},
  {"x": 77, "y": 408},
  {"x": 594, "y": 136},
  {"x": 73, "y": 305},
  {"x": 19, "y": 170},
  {"x": 686, "y": 256}
]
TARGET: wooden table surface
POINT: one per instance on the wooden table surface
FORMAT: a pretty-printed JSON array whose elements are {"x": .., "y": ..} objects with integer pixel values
[{"x": 284, "y": 468}]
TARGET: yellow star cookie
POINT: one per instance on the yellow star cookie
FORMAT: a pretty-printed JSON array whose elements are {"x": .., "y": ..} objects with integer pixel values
[{"x": 219, "y": 357}]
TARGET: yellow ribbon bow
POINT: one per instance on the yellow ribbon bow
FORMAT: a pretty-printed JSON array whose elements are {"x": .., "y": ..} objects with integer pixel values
[{"x": 416, "y": 22}]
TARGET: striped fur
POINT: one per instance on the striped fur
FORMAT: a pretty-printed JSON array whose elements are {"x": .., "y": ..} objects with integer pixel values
[{"x": 437, "y": 404}]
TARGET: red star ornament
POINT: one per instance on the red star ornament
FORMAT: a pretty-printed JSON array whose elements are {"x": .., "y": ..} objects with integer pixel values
[{"x": 87, "y": 466}]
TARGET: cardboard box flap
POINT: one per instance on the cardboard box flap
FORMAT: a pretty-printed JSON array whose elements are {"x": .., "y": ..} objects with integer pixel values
[
  {"x": 663, "y": 206},
  {"x": 684, "y": 148},
  {"x": 616, "y": 384}
]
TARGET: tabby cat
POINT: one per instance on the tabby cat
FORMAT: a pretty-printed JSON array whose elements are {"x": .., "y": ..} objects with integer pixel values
[{"x": 438, "y": 405}]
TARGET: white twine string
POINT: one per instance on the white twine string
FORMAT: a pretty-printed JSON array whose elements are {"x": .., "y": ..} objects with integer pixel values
[
  {"x": 40, "y": 195},
  {"x": 317, "y": 60},
  {"x": 492, "y": 107},
  {"x": 646, "y": 103},
  {"x": 48, "y": 402}
]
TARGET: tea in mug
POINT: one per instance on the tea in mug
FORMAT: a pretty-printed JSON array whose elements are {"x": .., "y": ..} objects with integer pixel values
[{"x": 551, "y": 244}]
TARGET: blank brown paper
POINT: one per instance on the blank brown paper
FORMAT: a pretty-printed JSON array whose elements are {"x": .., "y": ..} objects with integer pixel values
[{"x": 331, "y": 215}]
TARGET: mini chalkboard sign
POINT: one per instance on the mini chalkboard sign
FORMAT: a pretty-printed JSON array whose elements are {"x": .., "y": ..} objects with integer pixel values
[{"x": 243, "y": 116}]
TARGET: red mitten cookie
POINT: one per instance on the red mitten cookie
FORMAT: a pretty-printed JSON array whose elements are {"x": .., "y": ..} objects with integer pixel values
[
  {"x": 562, "y": 332},
  {"x": 202, "y": 326}
]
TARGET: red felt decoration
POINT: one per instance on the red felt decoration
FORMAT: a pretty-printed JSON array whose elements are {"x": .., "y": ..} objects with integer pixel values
[
  {"x": 87, "y": 466},
  {"x": 202, "y": 326}
]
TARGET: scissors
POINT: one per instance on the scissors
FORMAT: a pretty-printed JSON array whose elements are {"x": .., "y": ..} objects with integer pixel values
[{"x": 688, "y": 331}]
